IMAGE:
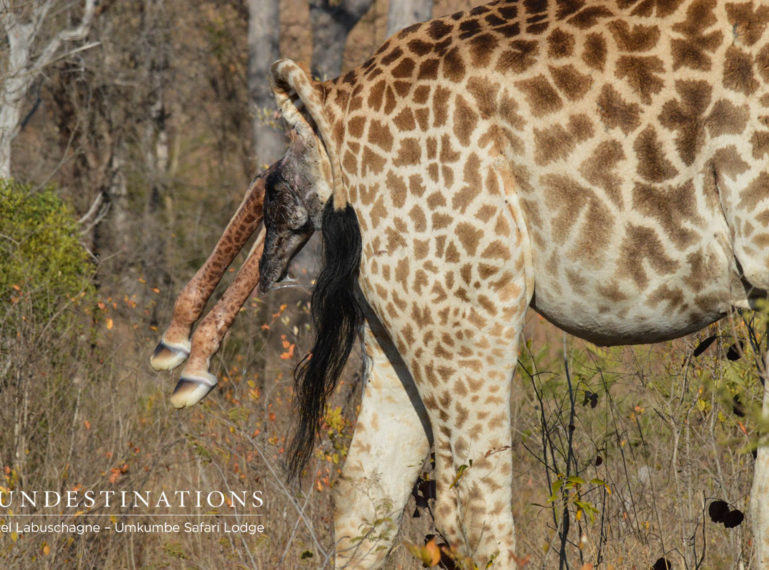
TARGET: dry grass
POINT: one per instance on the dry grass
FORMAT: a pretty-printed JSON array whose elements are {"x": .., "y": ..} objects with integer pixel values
[{"x": 81, "y": 411}]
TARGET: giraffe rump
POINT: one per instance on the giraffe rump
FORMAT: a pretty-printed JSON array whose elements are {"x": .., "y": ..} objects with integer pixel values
[{"x": 337, "y": 317}]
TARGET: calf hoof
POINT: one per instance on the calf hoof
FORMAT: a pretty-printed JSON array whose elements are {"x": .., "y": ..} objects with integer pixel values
[
  {"x": 168, "y": 356},
  {"x": 192, "y": 388}
]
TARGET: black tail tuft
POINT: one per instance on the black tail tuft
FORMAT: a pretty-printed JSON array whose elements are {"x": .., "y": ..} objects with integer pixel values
[{"x": 337, "y": 318}]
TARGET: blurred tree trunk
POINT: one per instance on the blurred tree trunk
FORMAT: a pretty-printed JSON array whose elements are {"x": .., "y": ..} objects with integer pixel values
[
  {"x": 403, "y": 13},
  {"x": 331, "y": 22},
  {"x": 26, "y": 58},
  {"x": 263, "y": 50},
  {"x": 159, "y": 208}
]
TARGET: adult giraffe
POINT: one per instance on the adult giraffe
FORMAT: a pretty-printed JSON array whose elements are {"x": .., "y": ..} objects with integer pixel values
[{"x": 603, "y": 162}]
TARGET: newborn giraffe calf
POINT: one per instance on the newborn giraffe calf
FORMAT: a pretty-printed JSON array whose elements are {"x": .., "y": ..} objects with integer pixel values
[{"x": 602, "y": 162}]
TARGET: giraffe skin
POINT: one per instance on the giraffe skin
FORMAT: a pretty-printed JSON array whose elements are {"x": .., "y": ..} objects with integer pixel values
[{"x": 604, "y": 163}]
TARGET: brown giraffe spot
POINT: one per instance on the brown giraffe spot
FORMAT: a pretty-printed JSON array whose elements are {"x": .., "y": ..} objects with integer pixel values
[
  {"x": 397, "y": 187},
  {"x": 762, "y": 63},
  {"x": 738, "y": 71},
  {"x": 481, "y": 49},
  {"x": 520, "y": 55},
  {"x": 428, "y": 69},
  {"x": 672, "y": 207},
  {"x": 437, "y": 29},
  {"x": 465, "y": 120},
  {"x": 469, "y": 236},
  {"x": 755, "y": 192},
  {"x": 402, "y": 273},
  {"x": 684, "y": 115},
  {"x": 372, "y": 162},
  {"x": 594, "y": 51},
  {"x": 760, "y": 143},
  {"x": 462, "y": 199},
  {"x": 471, "y": 172},
  {"x": 600, "y": 169},
  {"x": 419, "y": 47},
  {"x": 404, "y": 69},
  {"x": 402, "y": 88},
  {"x": 568, "y": 7},
  {"x": 394, "y": 239},
  {"x": 418, "y": 218},
  {"x": 416, "y": 185},
  {"x": 484, "y": 96},
  {"x": 496, "y": 250},
  {"x": 571, "y": 82},
  {"x": 537, "y": 24},
  {"x": 674, "y": 297},
  {"x": 440, "y": 221},
  {"x": 433, "y": 171},
  {"x": 553, "y": 143},
  {"x": 727, "y": 119},
  {"x": 566, "y": 197},
  {"x": 355, "y": 127},
  {"x": 376, "y": 95},
  {"x": 728, "y": 161},
  {"x": 404, "y": 121},
  {"x": 660, "y": 8},
  {"x": 502, "y": 228},
  {"x": 378, "y": 211},
  {"x": 616, "y": 112},
  {"x": 448, "y": 154},
  {"x": 613, "y": 292},
  {"x": 421, "y": 248},
  {"x": 494, "y": 20},
  {"x": 453, "y": 65},
  {"x": 409, "y": 152},
  {"x": 391, "y": 100},
  {"x": 393, "y": 56},
  {"x": 421, "y": 94},
  {"x": 748, "y": 24},
  {"x": 509, "y": 30},
  {"x": 641, "y": 74},
  {"x": 420, "y": 281},
  {"x": 452, "y": 254},
  {"x": 652, "y": 164},
  {"x": 469, "y": 28},
  {"x": 541, "y": 96},
  {"x": 508, "y": 111},
  {"x": 560, "y": 44},
  {"x": 380, "y": 135},
  {"x": 596, "y": 231},
  {"x": 448, "y": 175},
  {"x": 637, "y": 38},
  {"x": 509, "y": 11},
  {"x": 590, "y": 16},
  {"x": 440, "y": 106},
  {"x": 640, "y": 247},
  {"x": 350, "y": 162},
  {"x": 423, "y": 118}
]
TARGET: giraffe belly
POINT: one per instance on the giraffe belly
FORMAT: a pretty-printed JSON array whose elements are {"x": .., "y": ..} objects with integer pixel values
[{"x": 612, "y": 307}]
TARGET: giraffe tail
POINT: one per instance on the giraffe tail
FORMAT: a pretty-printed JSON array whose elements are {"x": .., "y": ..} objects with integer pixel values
[{"x": 338, "y": 318}]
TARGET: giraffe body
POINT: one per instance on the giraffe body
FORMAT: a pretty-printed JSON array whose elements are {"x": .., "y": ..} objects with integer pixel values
[{"x": 602, "y": 162}]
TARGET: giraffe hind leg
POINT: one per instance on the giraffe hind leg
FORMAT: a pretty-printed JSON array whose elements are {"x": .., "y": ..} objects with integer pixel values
[
  {"x": 379, "y": 473},
  {"x": 175, "y": 346}
]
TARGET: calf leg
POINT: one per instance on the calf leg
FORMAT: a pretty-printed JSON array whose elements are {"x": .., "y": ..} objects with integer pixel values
[
  {"x": 174, "y": 346},
  {"x": 196, "y": 381}
]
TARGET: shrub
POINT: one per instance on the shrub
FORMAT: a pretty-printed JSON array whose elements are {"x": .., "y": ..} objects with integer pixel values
[{"x": 41, "y": 257}]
